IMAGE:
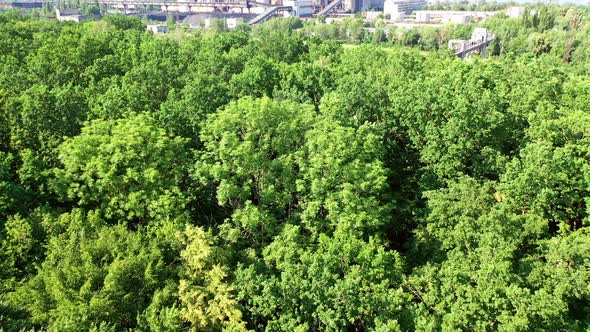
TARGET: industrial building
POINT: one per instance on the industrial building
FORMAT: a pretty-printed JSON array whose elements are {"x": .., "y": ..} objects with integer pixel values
[
  {"x": 301, "y": 8},
  {"x": 362, "y": 5},
  {"x": 515, "y": 12},
  {"x": 157, "y": 28},
  {"x": 399, "y": 9},
  {"x": 451, "y": 16},
  {"x": 73, "y": 15}
]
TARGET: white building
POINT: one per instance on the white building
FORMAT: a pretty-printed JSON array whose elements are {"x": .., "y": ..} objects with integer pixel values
[
  {"x": 301, "y": 8},
  {"x": 72, "y": 15},
  {"x": 363, "y": 5},
  {"x": 372, "y": 5},
  {"x": 157, "y": 28},
  {"x": 460, "y": 19},
  {"x": 372, "y": 15},
  {"x": 399, "y": 9},
  {"x": 454, "y": 16},
  {"x": 233, "y": 22},
  {"x": 480, "y": 34},
  {"x": 515, "y": 12},
  {"x": 422, "y": 16}
]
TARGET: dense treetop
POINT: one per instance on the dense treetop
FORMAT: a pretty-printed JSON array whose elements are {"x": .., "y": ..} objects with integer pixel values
[{"x": 275, "y": 179}]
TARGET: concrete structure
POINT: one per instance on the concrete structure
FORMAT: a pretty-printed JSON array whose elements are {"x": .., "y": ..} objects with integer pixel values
[
  {"x": 233, "y": 22},
  {"x": 269, "y": 13},
  {"x": 411, "y": 25},
  {"x": 72, "y": 15},
  {"x": 333, "y": 5},
  {"x": 452, "y": 16},
  {"x": 228, "y": 22},
  {"x": 157, "y": 28},
  {"x": 352, "y": 6},
  {"x": 515, "y": 12},
  {"x": 197, "y": 21},
  {"x": 365, "y": 5},
  {"x": 399, "y": 9},
  {"x": 301, "y": 8},
  {"x": 480, "y": 34},
  {"x": 459, "y": 19},
  {"x": 423, "y": 16},
  {"x": 480, "y": 39},
  {"x": 372, "y": 15}
]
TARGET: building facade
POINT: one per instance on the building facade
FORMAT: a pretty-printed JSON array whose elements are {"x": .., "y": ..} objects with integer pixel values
[
  {"x": 301, "y": 8},
  {"x": 73, "y": 15},
  {"x": 399, "y": 9},
  {"x": 454, "y": 16}
]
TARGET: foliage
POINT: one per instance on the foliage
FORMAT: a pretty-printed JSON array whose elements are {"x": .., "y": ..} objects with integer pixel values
[
  {"x": 295, "y": 176},
  {"x": 207, "y": 298},
  {"x": 127, "y": 169}
]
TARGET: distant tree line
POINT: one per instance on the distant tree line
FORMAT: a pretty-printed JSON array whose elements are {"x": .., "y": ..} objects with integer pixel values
[{"x": 558, "y": 30}]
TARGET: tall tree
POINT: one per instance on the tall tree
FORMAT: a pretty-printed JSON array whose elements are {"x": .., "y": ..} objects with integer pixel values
[{"x": 128, "y": 169}]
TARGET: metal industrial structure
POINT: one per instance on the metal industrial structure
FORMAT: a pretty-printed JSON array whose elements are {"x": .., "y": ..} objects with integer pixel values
[
  {"x": 330, "y": 7},
  {"x": 184, "y": 6},
  {"x": 264, "y": 8},
  {"x": 269, "y": 13}
]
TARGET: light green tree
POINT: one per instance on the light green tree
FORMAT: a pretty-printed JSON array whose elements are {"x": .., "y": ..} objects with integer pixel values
[
  {"x": 208, "y": 301},
  {"x": 127, "y": 169}
]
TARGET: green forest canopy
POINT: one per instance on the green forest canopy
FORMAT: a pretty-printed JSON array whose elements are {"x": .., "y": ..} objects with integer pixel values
[{"x": 272, "y": 179}]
